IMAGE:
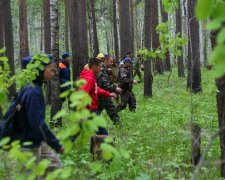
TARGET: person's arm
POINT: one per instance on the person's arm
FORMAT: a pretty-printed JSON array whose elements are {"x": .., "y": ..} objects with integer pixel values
[
  {"x": 104, "y": 82},
  {"x": 35, "y": 115},
  {"x": 88, "y": 86}
]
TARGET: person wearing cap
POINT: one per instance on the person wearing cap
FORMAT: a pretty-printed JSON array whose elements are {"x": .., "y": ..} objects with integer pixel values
[
  {"x": 64, "y": 71},
  {"x": 100, "y": 57},
  {"x": 103, "y": 81},
  {"x": 31, "y": 126},
  {"x": 126, "y": 83}
]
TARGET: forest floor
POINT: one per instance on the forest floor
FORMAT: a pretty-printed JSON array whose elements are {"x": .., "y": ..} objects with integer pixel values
[{"x": 157, "y": 136}]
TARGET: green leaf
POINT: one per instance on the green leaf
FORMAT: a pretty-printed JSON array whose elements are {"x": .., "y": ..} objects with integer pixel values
[
  {"x": 95, "y": 167},
  {"x": 40, "y": 169},
  {"x": 4, "y": 141},
  {"x": 221, "y": 36},
  {"x": 204, "y": 9},
  {"x": 60, "y": 114},
  {"x": 2, "y": 50},
  {"x": 213, "y": 25}
]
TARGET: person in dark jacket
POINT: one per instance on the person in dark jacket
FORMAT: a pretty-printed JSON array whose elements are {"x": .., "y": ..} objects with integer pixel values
[
  {"x": 126, "y": 81},
  {"x": 31, "y": 117},
  {"x": 64, "y": 71}
]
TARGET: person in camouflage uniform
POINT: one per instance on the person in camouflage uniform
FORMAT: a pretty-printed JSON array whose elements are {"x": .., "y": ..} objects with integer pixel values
[
  {"x": 103, "y": 81},
  {"x": 137, "y": 67},
  {"x": 126, "y": 83}
]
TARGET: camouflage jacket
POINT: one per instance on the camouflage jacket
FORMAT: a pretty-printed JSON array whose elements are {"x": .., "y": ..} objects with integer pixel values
[
  {"x": 137, "y": 64},
  {"x": 103, "y": 80},
  {"x": 126, "y": 78},
  {"x": 114, "y": 73}
]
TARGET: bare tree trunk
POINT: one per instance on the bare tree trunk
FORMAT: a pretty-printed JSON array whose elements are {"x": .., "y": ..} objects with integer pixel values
[
  {"x": 155, "y": 35},
  {"x": 205, "y": 43},
  {"x": 55, "y": 85},
  {"x": 24, "y": 48},
  {"x": 107, "y": 36},
  {"x": 148, "y": 79},
  {"x": 8, "y": 33},
  {"x": 47, "y": 42},
  {"x": 116, "y": 45},
  {"x": 1, "y": 26},
  {"x": 42, "y": 22},
  {"x": 195, "y": 144},
  {"x": 125, "y": 36},
  {"x": 194, "y": 71},
  {"x": 132, "y": 24},
  {"x": 167, "y": 65},
  {"x": 66, "y": 4},
  {"x": 93, "y": 29},
  {"x": 79, "y": 37},
  {"x": 180, "y": 61}
]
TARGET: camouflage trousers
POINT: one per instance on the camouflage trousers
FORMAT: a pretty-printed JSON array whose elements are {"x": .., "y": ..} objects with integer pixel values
[
  {"x": 138, "y": 72},
  {"x": 127, "y": 97},
  {"x": 110, "y": 108},
  {"x": 46, "y": 152}
]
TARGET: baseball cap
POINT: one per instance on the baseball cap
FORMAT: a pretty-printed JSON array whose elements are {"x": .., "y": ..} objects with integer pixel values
[
  {"x": 128, "y": 60},
  {"x": 100, "y": 55}
]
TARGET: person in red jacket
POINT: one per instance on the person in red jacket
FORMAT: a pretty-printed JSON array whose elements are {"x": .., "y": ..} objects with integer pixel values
[{"x": 92, "y": 89}]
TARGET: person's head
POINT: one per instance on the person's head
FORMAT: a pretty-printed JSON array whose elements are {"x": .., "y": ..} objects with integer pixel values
[
  {"x": 139, "y": 56},
  {"x": 128, "y": 62},
  {"x": 101, "y": 57},
  {"x": 130, "y": 54},
  {"x": 108, "y": 61},
  {"x": 95, "y": 65},
  {"x": 43, "y": 75},
  {"x": 114, "y": 59},
  {"x": 66, "y": 56}
]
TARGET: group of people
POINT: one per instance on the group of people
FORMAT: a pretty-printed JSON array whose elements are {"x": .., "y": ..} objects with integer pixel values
[{"x": 105, "y": 80}]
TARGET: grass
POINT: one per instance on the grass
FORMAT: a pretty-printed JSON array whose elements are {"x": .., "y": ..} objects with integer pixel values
[{"x": 157, "y": 136}]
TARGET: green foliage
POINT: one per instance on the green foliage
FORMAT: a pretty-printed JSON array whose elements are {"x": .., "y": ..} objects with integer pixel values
[{"x": 215, "y": 10}]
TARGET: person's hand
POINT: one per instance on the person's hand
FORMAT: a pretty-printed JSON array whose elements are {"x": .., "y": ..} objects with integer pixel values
[
  {"x": 119, "y": 90},
  {"x": 135, "y": 81},
  {"x": 113, "y": 95},
  {"x": 61, "y": 150}
]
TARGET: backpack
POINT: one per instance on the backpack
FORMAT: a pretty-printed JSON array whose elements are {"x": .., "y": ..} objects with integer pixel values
[{"x": 8, "y": 124}]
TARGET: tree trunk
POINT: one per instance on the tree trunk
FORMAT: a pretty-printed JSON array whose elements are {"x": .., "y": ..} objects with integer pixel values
[
  {"x": 195, "y": 144},
  {"x": 47, "y": 26},
  {"x": 125, "y": 36},
  {"x": 8, "y": 33},
  {"x": 205, "y": 43},
  {"x": 66, "y": 4},
  {"x": 107, "y": 36},
  {"x": 55, "y": 85},
  {"x": 167, "y": 65},
  {"x": 194, "y": 71},
  {"x": 132, "y": 24},
  {"x": 154, "y": 34},
  {"x": 116, "y": 45},
  {"x": 24, "y": 48},
  {"x": 93, "y": 29},
  {"x": 1, "y": 27},
  {"x": 79, "y": 37},
  {"x": 148, "y": 79},
  {"x": 42, "y": 22},
  {"x": 47, "y": 43},
  {"x": 180, "y": 61}
]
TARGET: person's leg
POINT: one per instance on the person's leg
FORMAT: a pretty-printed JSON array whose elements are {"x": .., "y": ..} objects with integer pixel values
[
  {"x": 132, "y": 101},
  {"x": 111, "y": 110},
  {"x": 124, "y": 100}
]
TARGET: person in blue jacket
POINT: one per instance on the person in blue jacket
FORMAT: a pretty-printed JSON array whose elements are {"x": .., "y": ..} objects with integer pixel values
[
  {"x": 64, "y": 71},
  {"x": 31, "y": 117}
]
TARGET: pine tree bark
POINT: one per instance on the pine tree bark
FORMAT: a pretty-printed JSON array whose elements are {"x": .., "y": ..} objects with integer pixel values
[
  {"x": 8, "y": 34},
  {"x": 125, "y": 35},
  {"x": 79, "y": 37},
  {"x": 194, "y": 71},
  {"x": 205, "y": 43},
  {"x": 67, "y": 9},
  {"x": 93, "y": 29},
  {"x": 55, "y": 85},
  {"x": 154, "y": 34},
  {"x": 148, "y": 78},
  {"x": 167, "y": 65},
  {"x": 47, "y": 43},
  {"x": 24, "y": 47},
  {"x": 132, "y": 24},
  {"x": 1, "y": 26},
  {"x": 180, "y": 61},
  {"x": 116, "y": 45}
]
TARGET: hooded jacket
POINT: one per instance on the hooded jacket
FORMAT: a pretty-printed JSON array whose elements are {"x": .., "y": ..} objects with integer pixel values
[
  {"x": 91, "y": 88},
  {"x": 64, "y": 74},
  {"x": 31, "y": 117}
]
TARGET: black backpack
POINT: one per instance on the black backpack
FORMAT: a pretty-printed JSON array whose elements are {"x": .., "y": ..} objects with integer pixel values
[{"x": 8, "y": 124}]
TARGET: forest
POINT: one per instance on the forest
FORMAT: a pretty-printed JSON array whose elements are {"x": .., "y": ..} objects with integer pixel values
[{"x": 151, "y": 106}]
